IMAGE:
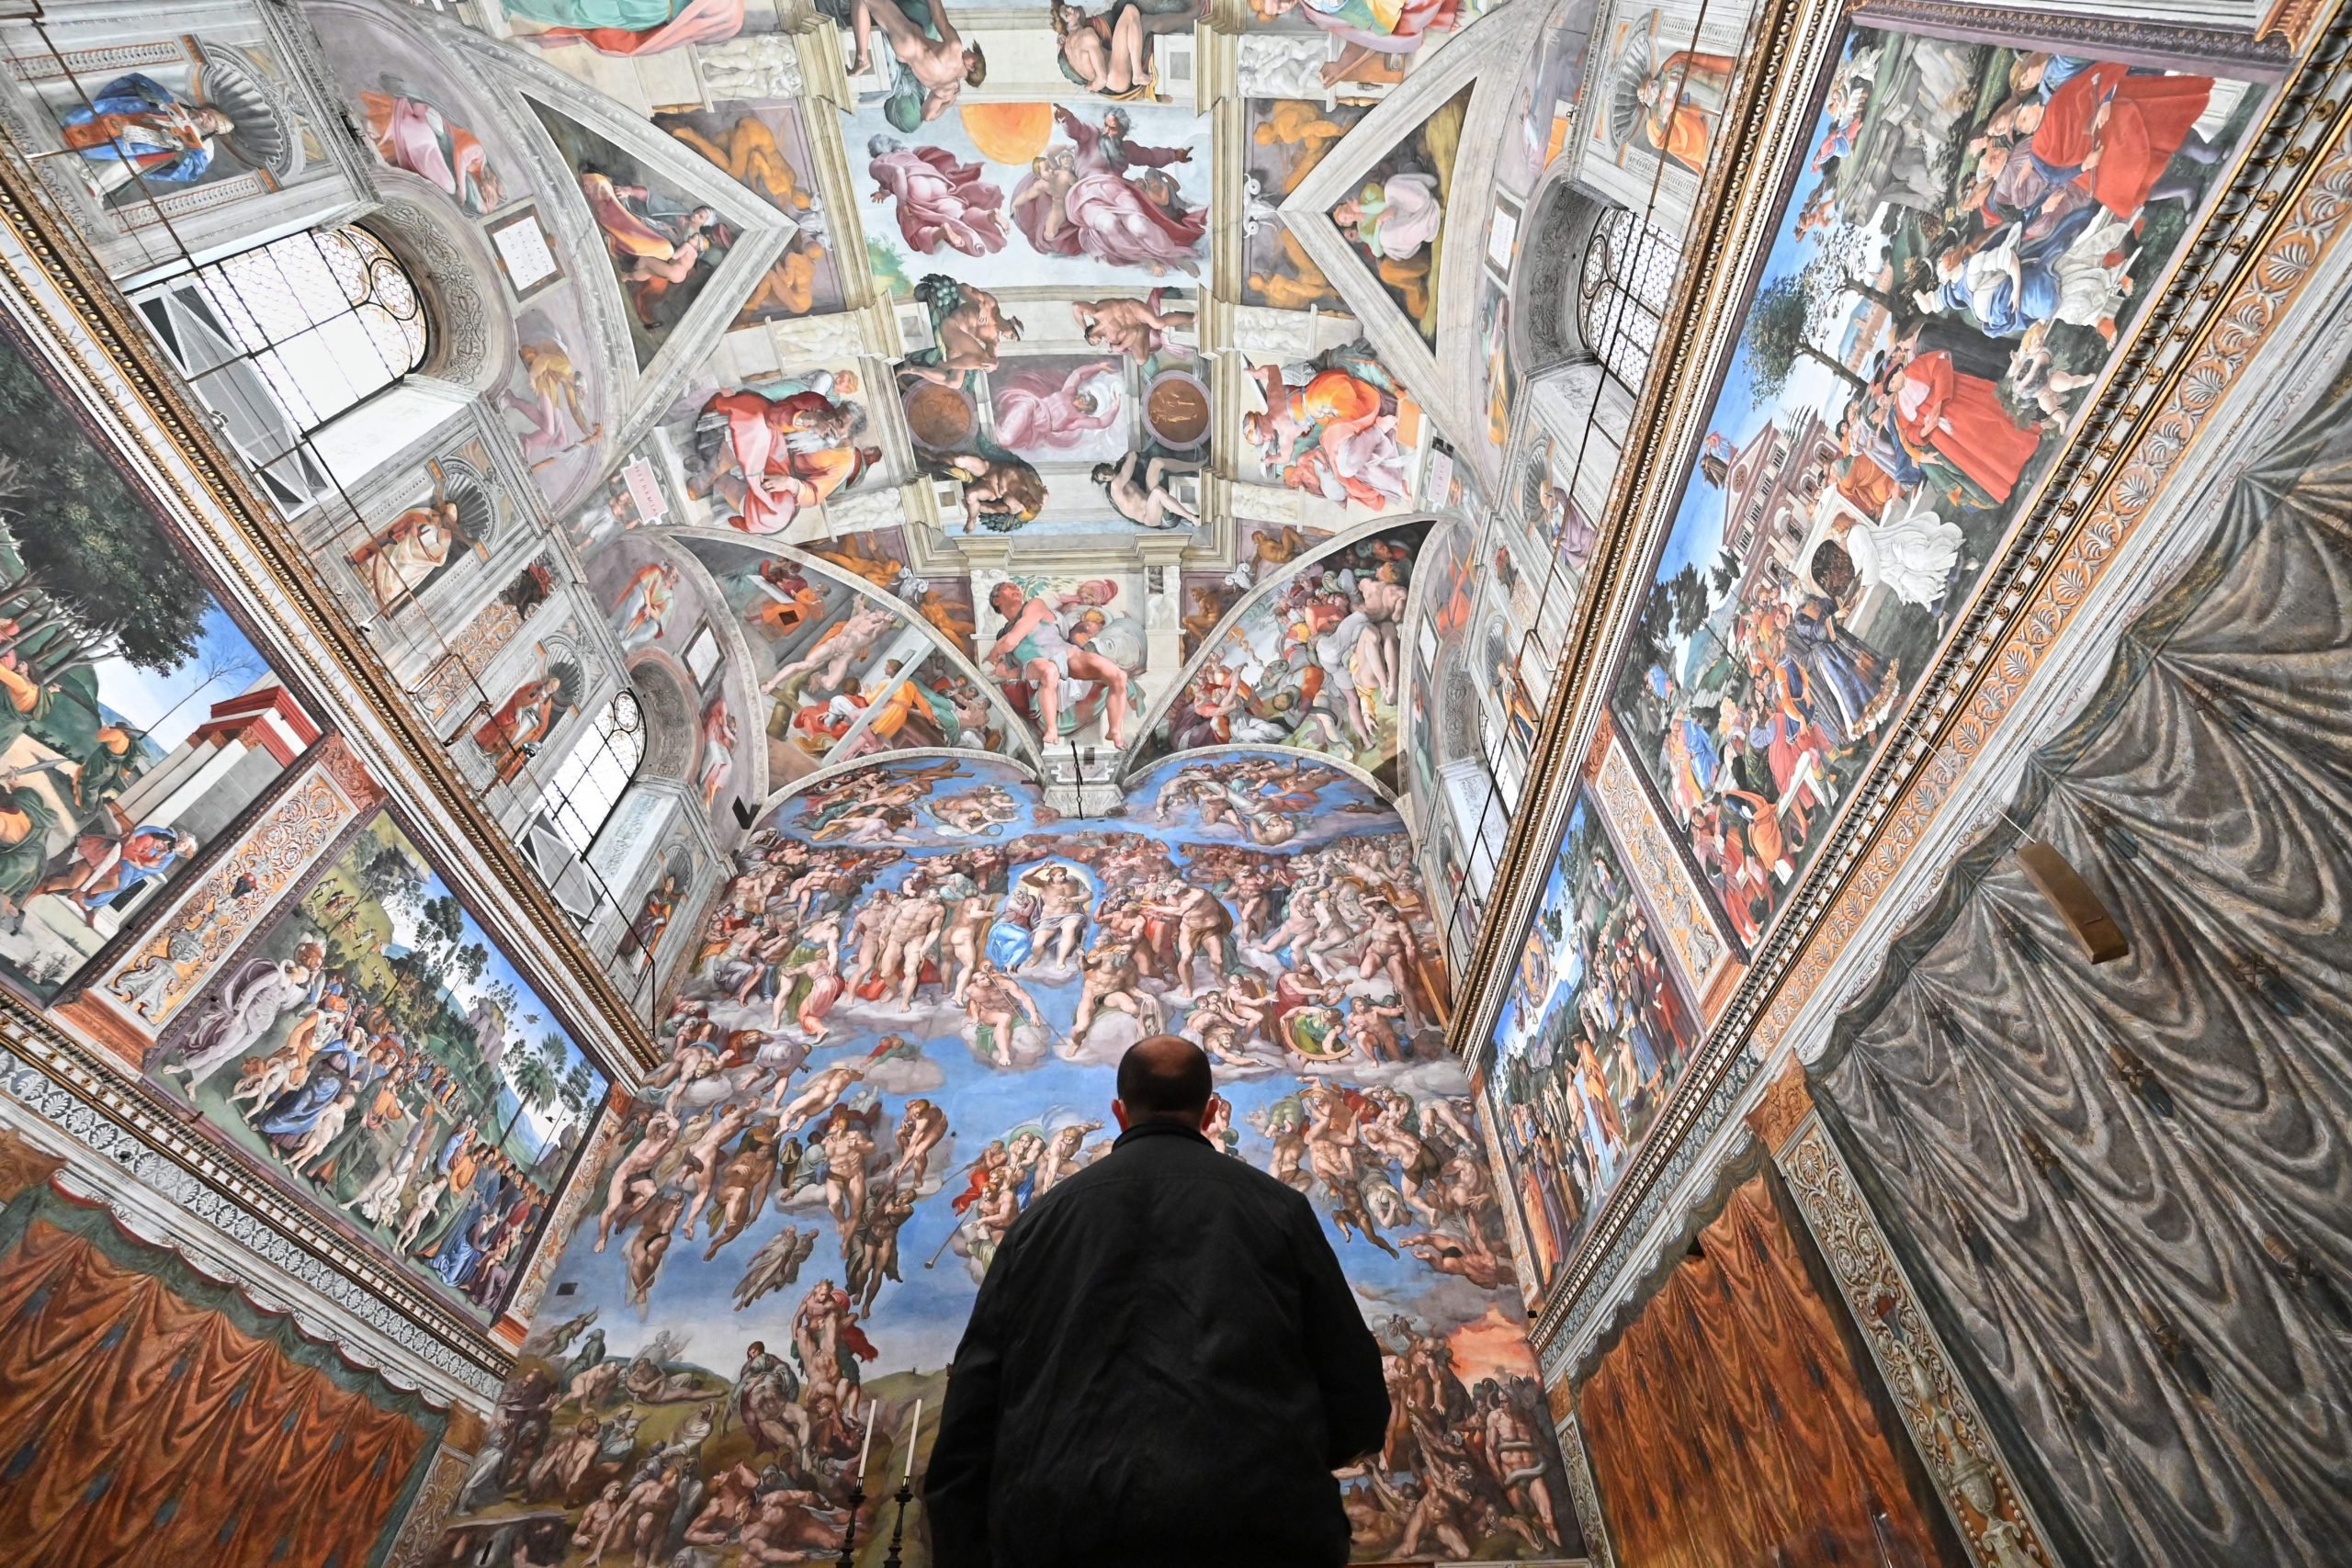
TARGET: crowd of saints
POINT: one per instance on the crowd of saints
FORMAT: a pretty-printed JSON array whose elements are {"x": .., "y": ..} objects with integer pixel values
[{"x": 896, "y": 1033}]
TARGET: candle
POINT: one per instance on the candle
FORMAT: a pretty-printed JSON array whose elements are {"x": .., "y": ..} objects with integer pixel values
[
  {"x": 913, "y": 1432},
  {"x": 867, "y": 1447}
]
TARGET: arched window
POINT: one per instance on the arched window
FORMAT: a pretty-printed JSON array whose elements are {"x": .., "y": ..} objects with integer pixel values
[
  {"x": 1622, "y": 293},
  {"x": 593, "y": 774},
  {"x": 281, "y": 339}
]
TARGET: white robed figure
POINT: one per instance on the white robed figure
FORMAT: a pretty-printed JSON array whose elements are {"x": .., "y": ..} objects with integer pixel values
[
  {"x": 1910, "y": 549},
  {"x": 253, "y": 1001}
]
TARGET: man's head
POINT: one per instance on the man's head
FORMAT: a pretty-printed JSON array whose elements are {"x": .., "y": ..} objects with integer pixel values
[{"x": 1163, "y": 1078}]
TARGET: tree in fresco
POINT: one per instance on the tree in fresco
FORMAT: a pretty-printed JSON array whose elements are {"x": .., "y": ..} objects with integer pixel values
[
  {"x": 85, "y": 574},
  {"x": 1779, "y": 331}
]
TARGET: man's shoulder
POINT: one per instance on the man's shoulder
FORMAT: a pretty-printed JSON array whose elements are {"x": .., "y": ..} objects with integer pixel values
[{"x": 1184, "y": 1159}]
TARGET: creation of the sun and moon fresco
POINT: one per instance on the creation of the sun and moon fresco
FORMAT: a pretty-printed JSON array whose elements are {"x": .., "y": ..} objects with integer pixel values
[{"x": 1704, "y": 646}]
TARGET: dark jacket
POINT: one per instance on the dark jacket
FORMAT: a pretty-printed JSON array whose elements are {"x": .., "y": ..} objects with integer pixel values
[{"x": 1164, "y": 1366}]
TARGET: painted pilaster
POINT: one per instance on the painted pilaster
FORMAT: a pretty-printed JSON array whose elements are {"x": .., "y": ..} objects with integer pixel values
[{"x": 1974, "y": 1479}]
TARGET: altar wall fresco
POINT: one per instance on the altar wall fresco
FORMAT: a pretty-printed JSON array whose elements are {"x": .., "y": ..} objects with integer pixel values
[{"x": 803, "y": 1199}]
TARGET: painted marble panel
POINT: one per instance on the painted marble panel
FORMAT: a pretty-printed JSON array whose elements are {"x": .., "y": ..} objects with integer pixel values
[
  {"x": 166, "y": 969},
  {"x": 1592, "y": 1038},
  {"x": 900, "y": 1029},
  {"x": 376, "y": 1053},
  {"x": 1902, "y": 379},
  {"x": 138, "y": 725}
]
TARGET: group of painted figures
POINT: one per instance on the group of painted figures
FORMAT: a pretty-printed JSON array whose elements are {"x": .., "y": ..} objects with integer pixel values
[
  {"x": 1601, "y": 1054},
  {"x": 893, "y": 921},
  {"x": 1318, "y": 665},
  {"x": 1997, "y": 210}
]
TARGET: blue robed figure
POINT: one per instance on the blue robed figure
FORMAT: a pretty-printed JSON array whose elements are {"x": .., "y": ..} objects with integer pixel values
[{"x": 145, "y": 130}]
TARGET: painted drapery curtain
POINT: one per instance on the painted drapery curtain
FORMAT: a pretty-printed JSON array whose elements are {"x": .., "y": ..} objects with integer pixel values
[
  {"x": 1730, "y": 1426},
  {"x": 150, "y": 1415},
  {"x": 2130, "y": 1186}
]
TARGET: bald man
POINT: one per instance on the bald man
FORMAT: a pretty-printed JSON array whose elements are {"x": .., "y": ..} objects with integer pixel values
[{"x": 1164, "y": 1366}]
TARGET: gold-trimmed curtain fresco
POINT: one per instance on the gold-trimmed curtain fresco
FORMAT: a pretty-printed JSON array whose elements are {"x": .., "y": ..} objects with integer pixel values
[
  {"x": 1730, "y": 1426},
  {"x": 2128, "y": 1190},
  {"x": 151, "y": 1415}
]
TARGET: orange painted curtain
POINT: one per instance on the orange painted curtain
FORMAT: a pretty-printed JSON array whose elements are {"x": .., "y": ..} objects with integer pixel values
[
  {"x": 138, "y": 1426},
  {"x": 1729, "y": 1425}
]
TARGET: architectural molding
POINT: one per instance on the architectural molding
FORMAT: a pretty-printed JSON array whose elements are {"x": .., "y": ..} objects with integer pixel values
[
  {"x": 419, "y": 1537},
  {"x": 1582, "y": 1494},
  {"x": 68, "y": 307},
  {"x": 2254, "y": 256},
  {"x": 1971, "y": 1474}
]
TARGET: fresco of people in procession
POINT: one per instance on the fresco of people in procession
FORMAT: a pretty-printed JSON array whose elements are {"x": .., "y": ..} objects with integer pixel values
[
  {"x": 1590, "y": 1041},
  {"x": 379, "y": 1056},
  {"x": 1319, "y": 662},
  {"x": 899, "y": 1030},
  {"x": 1971, "y": 236},
  {"x": 138, "y": 723}
]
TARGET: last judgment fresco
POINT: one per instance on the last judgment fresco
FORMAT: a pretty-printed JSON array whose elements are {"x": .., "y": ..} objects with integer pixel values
[{"x": 899, "y": 1030}]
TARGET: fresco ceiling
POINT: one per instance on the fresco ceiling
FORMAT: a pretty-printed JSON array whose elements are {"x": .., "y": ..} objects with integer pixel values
[{"x": 959, "y": 382}]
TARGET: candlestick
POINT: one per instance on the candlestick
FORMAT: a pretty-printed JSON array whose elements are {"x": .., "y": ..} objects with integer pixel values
[
  {"x": 892, "y": 1559},
  {"x": 913, "y": 1433},
  {"x": 867, "y": 1447},
  {"x": 849, "y": 1531}
]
